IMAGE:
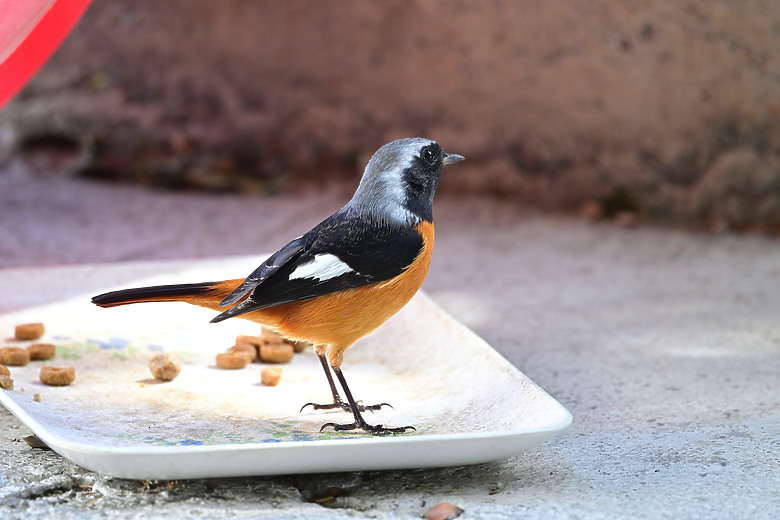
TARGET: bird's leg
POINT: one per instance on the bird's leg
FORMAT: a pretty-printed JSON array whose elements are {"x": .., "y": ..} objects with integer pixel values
[
  {"x": 359, "y": 422},
  {"x": 337, "y": 401}
]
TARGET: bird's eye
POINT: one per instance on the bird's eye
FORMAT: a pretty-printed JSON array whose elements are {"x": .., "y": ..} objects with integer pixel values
[{"x": 429, "y": 156}]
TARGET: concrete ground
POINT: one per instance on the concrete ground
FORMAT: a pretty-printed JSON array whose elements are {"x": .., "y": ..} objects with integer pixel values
[{"x": 664, "y": 345}]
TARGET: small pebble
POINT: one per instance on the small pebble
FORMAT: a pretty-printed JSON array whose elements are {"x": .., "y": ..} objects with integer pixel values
[
  {"x": 443, "y": 511},
  {"x": 165, "y": 367},
  {"x": 34, "y": 441}
]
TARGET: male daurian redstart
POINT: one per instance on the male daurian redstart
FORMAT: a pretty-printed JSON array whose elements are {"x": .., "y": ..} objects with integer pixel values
[{"x": 345, "y": 277}]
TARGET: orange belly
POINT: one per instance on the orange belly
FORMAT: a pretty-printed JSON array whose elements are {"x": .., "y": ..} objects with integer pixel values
[{"x": 338, "y": 320}]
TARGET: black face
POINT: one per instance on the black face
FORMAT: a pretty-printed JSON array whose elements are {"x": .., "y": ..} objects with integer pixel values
[{"x": 421, "y": 179}]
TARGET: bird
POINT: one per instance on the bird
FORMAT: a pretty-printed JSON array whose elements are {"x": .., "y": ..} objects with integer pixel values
[{"x": 342, "y": 279}]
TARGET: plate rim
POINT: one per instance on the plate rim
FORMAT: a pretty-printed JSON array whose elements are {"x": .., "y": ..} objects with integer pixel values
[{"x": 52, "y": 438}]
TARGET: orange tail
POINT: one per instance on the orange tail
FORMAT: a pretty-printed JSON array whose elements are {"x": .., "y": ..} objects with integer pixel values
[{"x": 205, "y": 294}]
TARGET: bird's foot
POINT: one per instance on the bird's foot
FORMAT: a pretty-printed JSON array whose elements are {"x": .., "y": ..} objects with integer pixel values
[
  {"x": 338, "y": 403},
  {"x": 377, "y": 429}
]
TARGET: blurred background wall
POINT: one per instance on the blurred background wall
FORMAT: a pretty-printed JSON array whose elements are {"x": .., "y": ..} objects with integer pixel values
[{"x": 667, "y": 110}]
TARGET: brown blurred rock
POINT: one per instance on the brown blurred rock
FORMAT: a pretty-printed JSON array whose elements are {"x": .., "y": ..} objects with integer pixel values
[
  {"x": 553, "y": 103},
  {"x": 443, "y": 511}
]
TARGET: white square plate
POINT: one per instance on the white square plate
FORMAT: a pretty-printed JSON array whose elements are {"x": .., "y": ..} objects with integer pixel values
[{"x": 469, "y": 404}]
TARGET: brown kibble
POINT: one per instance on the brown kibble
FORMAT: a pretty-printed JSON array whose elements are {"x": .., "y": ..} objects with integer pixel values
[
  {"x": 57, "y": 376},
  {"x": 4, "y": 371},
  {"x": 270, "y": 376},
  {"x": 300, "y": 346},
  {"x": 245, "y": 347},
  {"x": 255, "y": 341},
  {"x": 14, "y": 356},
  {"x": 165, "y": 367},
  {"x": 6, "y": 383},
  {"x": 41, "y": 351},
  {"x": 443, "y": 511},
  {"x": 37, "y": 397},
  {"x": 29, "y": 331},
  {"x": 269, "y": 337},
  {"x": 252, "y": 340},
  {"x": 233, "y": 360},
  {"x": 276, "y": 353}
]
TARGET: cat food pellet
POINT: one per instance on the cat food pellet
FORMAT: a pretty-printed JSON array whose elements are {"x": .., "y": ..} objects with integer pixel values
[
  {"x": 300, "y": 346},
  {"x": 14, "y": 356},
  {"x": 41, "y": 351},
  {"x": 255, "y": 341},
  {"x": 270, "y": 376},
  {"x": 268, "y": 336},
  {"x": 6, "y": 383},
  {"x": 245, "y": 347},
  {"x": 27, "y": 331},
  {"x": 57, "y": 376},
  {"x": 233, "y": 360},
  {"x": 276, "y": 353}
]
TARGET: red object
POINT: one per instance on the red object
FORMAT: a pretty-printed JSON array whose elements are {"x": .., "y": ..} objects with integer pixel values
[{"x": 32, "y": 52}]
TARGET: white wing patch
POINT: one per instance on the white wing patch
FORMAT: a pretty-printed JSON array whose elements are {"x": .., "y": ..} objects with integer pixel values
[{"x": 322, "y": 267}]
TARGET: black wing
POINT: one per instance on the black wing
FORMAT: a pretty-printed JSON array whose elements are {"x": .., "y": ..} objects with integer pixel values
[
  {"x": 269, "y": 267},
  {"x": 360, "y": 253}
]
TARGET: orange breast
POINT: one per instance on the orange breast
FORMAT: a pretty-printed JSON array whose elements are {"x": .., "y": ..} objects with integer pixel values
[{"x": 339, "y": 319}]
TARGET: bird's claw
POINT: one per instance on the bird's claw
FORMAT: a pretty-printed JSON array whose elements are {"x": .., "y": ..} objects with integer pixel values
[
  {"x": 377, "y": 429},
  {"x": 345, "y": 406},
  {"x": 317, "y": 406},
  {"x": 373, "y": 407}
]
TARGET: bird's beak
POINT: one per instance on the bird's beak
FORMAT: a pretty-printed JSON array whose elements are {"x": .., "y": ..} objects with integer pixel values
[{"x": 451, "y": 158}]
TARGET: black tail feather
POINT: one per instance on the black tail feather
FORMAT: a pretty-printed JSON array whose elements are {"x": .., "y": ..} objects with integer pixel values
[{"x": 153, "y": 294}]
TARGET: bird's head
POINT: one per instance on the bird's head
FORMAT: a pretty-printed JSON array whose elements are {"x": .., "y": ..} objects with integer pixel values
[{"x": 400, "y": 180}]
